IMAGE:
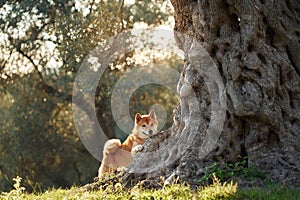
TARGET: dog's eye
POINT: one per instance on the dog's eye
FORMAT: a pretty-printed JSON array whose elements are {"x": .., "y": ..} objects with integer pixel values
[
  {"x": 151, "y": 125},
  {"x": 144, "y": 125}
]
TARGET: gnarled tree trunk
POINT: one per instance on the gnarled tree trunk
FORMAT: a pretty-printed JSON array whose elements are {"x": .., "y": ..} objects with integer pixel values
[{"x": 256, "y": 47}]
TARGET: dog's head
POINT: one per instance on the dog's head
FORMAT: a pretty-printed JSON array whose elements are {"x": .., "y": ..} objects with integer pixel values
[{"x": 146, "y": 125}]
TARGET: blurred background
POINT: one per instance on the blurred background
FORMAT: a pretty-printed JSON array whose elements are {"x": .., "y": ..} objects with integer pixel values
[{"x": 42, "y": 46}]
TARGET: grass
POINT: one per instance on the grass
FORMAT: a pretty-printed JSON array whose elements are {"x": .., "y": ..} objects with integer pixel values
[
  {"x": 116, "y": 191},
  {"x": 272, "y": 192}
]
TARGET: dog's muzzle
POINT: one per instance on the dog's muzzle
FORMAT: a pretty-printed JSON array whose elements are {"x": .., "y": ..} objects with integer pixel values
[{"x": 149, "y": 133}]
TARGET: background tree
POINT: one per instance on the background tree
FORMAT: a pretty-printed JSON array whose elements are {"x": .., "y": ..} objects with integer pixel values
[
  {"x": 40, "y": 55},
  {"x": 42, "y": 47},
  {"x": 255, "y": 45}
]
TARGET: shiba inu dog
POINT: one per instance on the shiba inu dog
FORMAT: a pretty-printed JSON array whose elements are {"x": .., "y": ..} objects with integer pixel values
[{"x": 117, "y": 154}]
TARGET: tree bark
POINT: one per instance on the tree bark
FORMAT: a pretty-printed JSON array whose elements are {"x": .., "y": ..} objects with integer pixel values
[{"x": 256, "y": 47}]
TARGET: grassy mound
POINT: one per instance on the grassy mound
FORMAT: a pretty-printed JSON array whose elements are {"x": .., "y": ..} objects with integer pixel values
[{"x": 111, "y": 190}]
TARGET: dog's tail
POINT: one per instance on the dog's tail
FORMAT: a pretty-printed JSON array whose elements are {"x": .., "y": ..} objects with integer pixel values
[{"x": 111, "y": 146}]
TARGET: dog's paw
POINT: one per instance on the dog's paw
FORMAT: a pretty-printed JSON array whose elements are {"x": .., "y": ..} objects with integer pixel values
[{"x": 136, "y": 149}]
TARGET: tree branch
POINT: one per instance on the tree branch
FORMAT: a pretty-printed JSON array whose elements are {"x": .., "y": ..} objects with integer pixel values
[
  {"x": 32, "y": 62},
  {"x": 121, "y": 15}
]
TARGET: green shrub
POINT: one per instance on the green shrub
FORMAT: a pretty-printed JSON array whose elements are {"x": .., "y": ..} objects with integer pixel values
[{"x": 227, "y": 171}]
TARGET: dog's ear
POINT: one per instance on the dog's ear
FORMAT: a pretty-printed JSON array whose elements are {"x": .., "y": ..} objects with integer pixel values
[
  {"x": 152, "y": 115},
  {"x": 138, "y": 117}
]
